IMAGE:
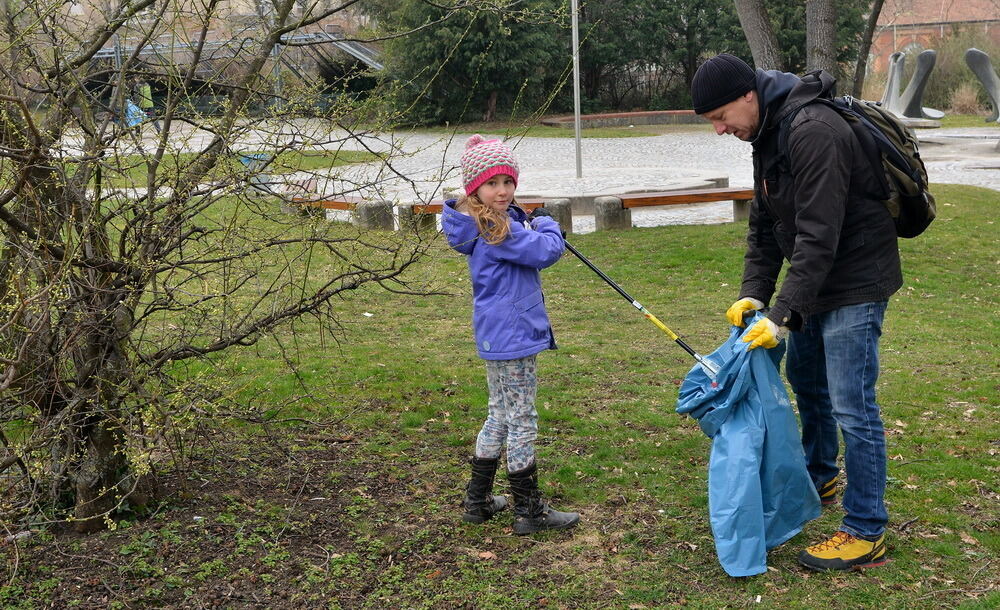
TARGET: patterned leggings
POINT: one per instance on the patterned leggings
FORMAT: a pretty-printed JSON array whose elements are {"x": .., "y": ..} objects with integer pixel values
[{"x": 512, "y": 417}]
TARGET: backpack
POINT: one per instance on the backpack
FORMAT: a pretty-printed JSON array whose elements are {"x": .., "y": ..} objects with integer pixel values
[{"x": 888, "y": 143}]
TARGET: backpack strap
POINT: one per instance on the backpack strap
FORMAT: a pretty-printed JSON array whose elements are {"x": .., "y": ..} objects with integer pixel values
[{"x": 872, "y": 140}]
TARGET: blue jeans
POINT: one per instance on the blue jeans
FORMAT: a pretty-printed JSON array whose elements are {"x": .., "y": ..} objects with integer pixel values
[{"x": 832, "y": 366}]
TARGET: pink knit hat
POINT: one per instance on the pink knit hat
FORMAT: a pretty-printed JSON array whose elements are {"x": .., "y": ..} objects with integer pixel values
[{"x": 484, "y": 159}]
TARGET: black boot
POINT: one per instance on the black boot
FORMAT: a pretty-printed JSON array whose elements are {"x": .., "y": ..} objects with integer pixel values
[
  {"x": 479, "y": 502},
  {"x": 531, "y": 513}
]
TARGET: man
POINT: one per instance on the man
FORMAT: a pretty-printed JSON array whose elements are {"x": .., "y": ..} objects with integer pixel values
[
  {"x": 144, "y": 93},
  {"x": 813, "y": 207}
]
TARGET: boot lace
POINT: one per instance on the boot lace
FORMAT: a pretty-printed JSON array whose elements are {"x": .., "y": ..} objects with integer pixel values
[{"x": 838, "y": 539}]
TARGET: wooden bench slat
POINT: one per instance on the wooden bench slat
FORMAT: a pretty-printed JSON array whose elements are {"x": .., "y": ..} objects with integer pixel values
[
  {"x": 434, "y": 207},
  {"x": 638, "y": 200}
]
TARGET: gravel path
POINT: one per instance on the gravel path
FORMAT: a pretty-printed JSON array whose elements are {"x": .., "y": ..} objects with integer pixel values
[
  {"x": 425, "y": 165},
  {"x": 676, "y": 160}
]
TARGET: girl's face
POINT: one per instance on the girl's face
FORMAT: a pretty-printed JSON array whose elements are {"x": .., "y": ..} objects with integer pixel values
[{"x": 497, "y": 192}]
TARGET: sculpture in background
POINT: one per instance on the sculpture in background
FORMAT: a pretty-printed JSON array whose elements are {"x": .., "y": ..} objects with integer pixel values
[
  {"x": 981, "y": 66},
  {"x": 909, "y": 104},
  {"x": 911, "y": 100},
  {"x": 890, "y": 98}
]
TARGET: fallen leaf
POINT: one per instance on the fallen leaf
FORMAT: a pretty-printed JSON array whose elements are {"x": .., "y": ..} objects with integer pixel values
[
  {"x": 487, "y": 555},
  {"x": 967, "y": 539}
]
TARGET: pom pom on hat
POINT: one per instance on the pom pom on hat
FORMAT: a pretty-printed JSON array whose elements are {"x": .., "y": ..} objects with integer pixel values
[
  {"x": 484, "y": 159},
  {"x": 475, "y": 140},
  {"x": 719, "y": 81}
]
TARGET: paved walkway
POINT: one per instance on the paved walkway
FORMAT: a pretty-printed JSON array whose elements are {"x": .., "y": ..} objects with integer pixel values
[
  {"x": 424, "y": 166},
  {"x": 685, "y": 159}
]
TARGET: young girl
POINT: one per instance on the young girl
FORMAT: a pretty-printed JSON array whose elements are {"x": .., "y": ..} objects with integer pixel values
[{"x": 505, "y": 249}]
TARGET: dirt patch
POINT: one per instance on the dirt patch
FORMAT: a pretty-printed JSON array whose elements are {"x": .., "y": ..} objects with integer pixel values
[
  {"x": 246, "y": 523},
  {"x": 290, "y": 522}
]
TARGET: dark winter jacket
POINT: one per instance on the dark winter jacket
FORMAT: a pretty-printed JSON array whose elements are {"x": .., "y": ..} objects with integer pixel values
[
  {"x": 814, "y": 208},
  {"x": 508, "y": 310}
]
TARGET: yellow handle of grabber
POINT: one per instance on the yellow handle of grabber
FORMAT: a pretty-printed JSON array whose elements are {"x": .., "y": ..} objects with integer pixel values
[{"x": 659, "y": 324}]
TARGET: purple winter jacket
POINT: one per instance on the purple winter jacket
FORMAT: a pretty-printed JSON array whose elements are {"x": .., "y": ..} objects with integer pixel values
[{"x": 508, "y": 310}]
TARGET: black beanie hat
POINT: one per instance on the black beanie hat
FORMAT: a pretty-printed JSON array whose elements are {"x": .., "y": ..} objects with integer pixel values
[{"x": 719, "y": 81}]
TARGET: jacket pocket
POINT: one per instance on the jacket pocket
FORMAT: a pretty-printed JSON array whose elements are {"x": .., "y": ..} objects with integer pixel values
[
  {"x": 849, "y": 243},
  {"x": 531, "y": 317},
  {"x": 525, "y": 303}
]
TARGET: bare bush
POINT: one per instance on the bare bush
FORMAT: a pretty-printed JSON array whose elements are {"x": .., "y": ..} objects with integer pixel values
[
  {"x": 965, "y": 99},
  {"x": 126, "y": 253}
]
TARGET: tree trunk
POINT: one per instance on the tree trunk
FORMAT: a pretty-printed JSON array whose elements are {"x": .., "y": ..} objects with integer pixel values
[
  {"x": 821, "y": 36},
  {"x": 866, "y": 44},
  {"x": 760, "y": 35},
  {"x": 98, "y": 476},
  {"x": 490, "y": 114}
]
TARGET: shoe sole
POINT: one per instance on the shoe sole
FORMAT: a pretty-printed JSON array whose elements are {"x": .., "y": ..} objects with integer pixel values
[
  {"x": 881, "y": 561},
  {"x": 535, "y": 530},
  {"x": 475, "y": 519}
]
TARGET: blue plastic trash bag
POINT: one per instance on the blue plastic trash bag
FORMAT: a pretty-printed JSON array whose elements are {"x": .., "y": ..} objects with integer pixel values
[
  {"x": 759, "y": 492},
  {"x": 133, "y": 114}
]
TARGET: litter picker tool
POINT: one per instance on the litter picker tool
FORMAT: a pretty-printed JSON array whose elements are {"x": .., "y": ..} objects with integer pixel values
[{"x": 711, "y": 368}]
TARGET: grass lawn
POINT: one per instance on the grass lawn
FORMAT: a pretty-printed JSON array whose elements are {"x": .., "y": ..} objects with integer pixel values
[
  {"x": 363, "y": 512},
  {"x": 967, "y": 120}
]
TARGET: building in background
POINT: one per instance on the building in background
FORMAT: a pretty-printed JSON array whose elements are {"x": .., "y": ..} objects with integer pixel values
[
  {"x": 164, "y": 38},
  {"x": 915, "y": 25}
]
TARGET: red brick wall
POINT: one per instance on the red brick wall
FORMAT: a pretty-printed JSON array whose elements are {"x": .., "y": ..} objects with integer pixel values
[
  {"x": 924, "y": 22},
  {"x": 906, "y": 12}
]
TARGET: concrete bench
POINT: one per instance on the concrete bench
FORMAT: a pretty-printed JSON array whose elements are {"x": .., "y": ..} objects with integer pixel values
[
  {"x": 616, "y": 212},
  {"x": 609, "y": 212},
  {"x": 434, "y": 207},
  {"x": 422, "y": 214},
  {"x": 379, "y": 214}
]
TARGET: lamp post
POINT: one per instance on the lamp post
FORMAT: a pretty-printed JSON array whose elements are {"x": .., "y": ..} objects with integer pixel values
[{"x": 576, "y": 87}]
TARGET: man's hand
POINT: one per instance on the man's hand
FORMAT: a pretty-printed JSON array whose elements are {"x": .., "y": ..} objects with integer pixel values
[
  {"x": 538, "y": 212},
  {"x": 765, "y": 333},
  {"x": 735, "y": 312}
]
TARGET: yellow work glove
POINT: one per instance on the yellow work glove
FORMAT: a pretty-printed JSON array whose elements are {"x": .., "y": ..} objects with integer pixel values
[
  {"x": 735, "y": 312},
  {"x": 765, "y": 333}
]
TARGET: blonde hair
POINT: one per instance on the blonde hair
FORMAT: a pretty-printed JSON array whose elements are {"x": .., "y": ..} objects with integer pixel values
[{"x": 493, "y": 226}]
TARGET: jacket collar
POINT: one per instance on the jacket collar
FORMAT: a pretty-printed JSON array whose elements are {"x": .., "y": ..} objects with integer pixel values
[{"x": 780, "y": 93}]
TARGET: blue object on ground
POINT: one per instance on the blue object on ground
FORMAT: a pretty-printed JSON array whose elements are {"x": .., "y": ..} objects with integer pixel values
[
  {"x": 254, "y": 162},
  {"x": 759, "y": 491}
]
